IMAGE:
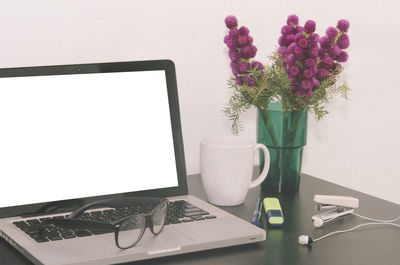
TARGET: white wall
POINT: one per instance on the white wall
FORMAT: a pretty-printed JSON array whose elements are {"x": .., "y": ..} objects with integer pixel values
[{"x": 357, "y": 145}]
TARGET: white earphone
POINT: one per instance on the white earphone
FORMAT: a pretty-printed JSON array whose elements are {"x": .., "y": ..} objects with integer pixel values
[{"x": 318, "y": 222}]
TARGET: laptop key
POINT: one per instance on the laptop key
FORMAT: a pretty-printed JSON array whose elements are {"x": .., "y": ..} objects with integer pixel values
[
  {"x": 68, "y": 236},
  {"x": 195, "y": 213},
  {"x": 99, "y": 231},
  {"x": 94, "y": 213},
  {"x": 33, "y": 234},
  {"x": 82, "y": 233},
  {"x": 198, "y": 218},
  {"x": 210, "y": 217},
  {"x": 189, "y": 210},
  {"x": 40, "y": 239},
  {"x": 54, "y": 237},
  {"x": 187, "y": 220},
  {"x": 50, "y": 234},
  {"x": 21, "y": 224},
  {"x": 32, "y": 222}
]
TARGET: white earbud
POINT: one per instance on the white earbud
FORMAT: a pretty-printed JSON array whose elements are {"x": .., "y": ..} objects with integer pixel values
[
  {"x": 305, "y": 240},
  {"x": 318, "y": 222}
]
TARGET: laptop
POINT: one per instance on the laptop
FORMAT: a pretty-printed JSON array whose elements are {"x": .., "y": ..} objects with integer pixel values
[{"x": 75, "y": 134}]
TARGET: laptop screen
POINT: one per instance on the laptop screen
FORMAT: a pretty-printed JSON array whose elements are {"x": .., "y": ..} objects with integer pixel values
[{"x": 83, "y": 135}]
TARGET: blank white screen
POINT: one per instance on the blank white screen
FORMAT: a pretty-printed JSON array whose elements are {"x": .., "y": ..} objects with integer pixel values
[{"x": 71, "y": 136}]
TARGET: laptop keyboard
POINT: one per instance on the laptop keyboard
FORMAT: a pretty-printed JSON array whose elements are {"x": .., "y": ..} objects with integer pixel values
[{"x": 178, "y": 212}]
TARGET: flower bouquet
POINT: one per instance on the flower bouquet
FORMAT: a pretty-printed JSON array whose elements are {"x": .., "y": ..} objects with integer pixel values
[{"x": 301, "y": 77}]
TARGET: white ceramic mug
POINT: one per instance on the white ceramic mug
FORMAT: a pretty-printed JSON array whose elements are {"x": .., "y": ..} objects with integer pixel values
[{"x": 226, "y": 165}]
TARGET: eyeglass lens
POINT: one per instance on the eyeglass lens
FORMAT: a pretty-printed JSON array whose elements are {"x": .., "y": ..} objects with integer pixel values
[
  {"x": 131, "y": 230},
  {"x": 158, "y": 217}
]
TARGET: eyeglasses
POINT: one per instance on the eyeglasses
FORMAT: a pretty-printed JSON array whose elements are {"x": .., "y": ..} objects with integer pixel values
[{"x": 130, "y": 229}]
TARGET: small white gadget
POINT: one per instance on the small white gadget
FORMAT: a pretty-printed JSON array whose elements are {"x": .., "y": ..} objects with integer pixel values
[{"x": 337, "y": 206}]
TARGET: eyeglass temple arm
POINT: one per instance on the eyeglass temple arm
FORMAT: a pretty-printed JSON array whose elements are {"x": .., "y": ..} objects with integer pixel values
[{"x": 113, "y": 203}]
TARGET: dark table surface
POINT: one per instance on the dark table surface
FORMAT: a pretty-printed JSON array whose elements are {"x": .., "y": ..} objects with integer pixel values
[{"x": 368, "y": 245}]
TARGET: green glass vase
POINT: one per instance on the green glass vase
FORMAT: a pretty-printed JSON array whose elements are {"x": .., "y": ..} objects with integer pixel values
[{"x": 284, "y": 133}]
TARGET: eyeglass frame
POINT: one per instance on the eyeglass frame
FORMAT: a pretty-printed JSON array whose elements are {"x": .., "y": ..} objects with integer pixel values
[{"x": 73, "y": 222}]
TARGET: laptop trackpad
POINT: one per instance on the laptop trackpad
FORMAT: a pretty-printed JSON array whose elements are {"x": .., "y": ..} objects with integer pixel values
[{"x": 169, "y": 240}]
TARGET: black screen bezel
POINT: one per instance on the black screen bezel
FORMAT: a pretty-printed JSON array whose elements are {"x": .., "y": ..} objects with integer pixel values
[{"x": 67, "y": 205}]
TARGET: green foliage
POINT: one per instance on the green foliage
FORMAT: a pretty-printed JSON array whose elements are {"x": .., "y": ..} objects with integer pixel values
[{"x": 273, "y": 85}]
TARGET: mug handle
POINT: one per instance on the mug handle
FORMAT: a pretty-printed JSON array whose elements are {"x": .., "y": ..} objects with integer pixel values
[{"x": 264, "y": 173}]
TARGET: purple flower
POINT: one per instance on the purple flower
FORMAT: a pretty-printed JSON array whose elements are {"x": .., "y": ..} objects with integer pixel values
[
  {"x": 232, "y": 44},
  {"x": 253, "y": 50},
  {"x": 234, "y": 55},
  {"x": 281, "y": 50},
  {"x": 291, "y": 47},
  {"x": 314, "y": 37},
  {"x": 243, "y": 30},
  {"x": 298, "y": 36},
  {"x": 246, "y": 52},
  {"x": 249, "y": 40},
  {"x": 303, "y": 43},
  {"x": 290, "y": 59},
  {"x": 257, "y": 65},
  {"x": 309, "y": 93},
  {"x": 298, "y": 52},
  {"x": 251, "y": 82},
  {"x": 242, "y": 41},
  {"x": 294, "y": 70},
  {"x": 343, "y": 25},
  {"x": 226, "y": 38},
  {"x": 309, "y": 62},
  {"x": 309, "y": 26},
  {"x": 291, "y": 77},
  {"x": 244, "y": 67},
  {"x": 287, "y": 29},
  {"x": 231, "y": 22},
  {"x": 315, "y": 69},
  {"x": 343, "y": 41},
  {"x": 239, "y": 81},
  {"x": 282, "y": 41},
  {"x": 299, "y": 29},
  {"x": 293, "y": 20},
  {"x": 315, "y": 83},
  {"x": 327, "y": 61},
  {"x": 324, "y": 42},
  {"x": 334, "y": 51},
  {"x": 331, "y": 32},
  {"x": 323, "y": 73},
  {"x": 307, "y": 74},
  {"x": 306, "y": 84},
  {"x": 343, "y": 56},
  {"x": 313, "y": 53},
  {"x": 235, "y": 68},
  {"x": 234, "y": 32},
  {"x": 289, "y": 39}
]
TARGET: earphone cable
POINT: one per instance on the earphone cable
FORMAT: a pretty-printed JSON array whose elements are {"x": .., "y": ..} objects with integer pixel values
[
  {"x": 354, "y": 228},
  {"x": 375, "y": 220}
]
